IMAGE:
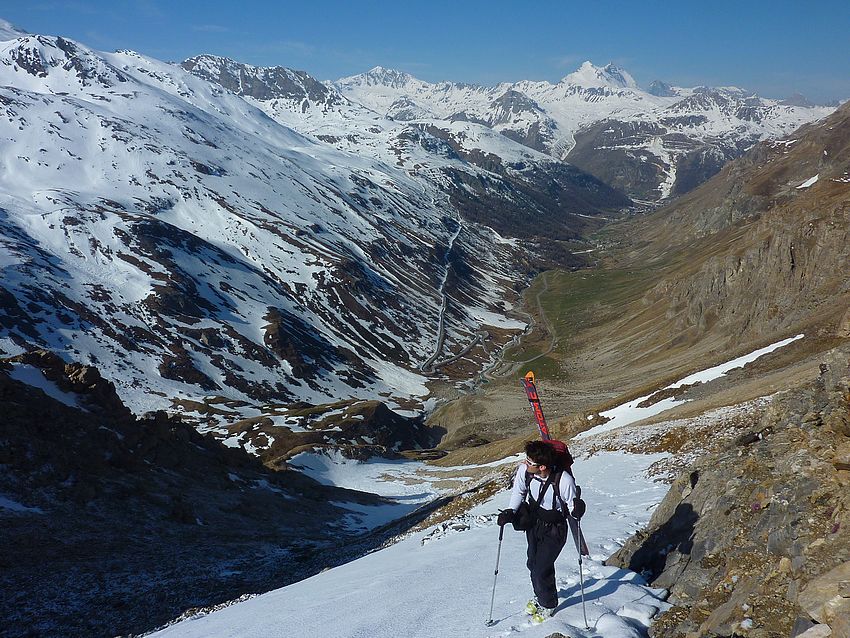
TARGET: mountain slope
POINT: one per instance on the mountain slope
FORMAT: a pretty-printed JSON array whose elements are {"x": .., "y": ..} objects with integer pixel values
[
  {"x": 774, "y": 221},
  {"x": 755, "y": 255},
  {"x": 114, "y": 524},
  {"x": 166, "y": 229}
]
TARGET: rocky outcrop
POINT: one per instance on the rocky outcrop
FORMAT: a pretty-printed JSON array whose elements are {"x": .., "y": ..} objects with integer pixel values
[
  {"x": 753, "y": 540},
  {"x": 792, "y": 249},
  {"x": 263, "y": 83},
  {"x": 111, "y": 523},
  {"x": 97, "y": 393}
]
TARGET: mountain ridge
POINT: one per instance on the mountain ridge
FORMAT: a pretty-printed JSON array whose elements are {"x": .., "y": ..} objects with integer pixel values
[{"x": 703, "y": 126}]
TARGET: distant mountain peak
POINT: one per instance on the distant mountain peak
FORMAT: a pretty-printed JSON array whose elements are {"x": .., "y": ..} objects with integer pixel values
[
  {"x": 590, "y": 75},
  {"x": 661, "y": 89},
  {"x": 57, "y": 58},
  {"x": 260, "y": 82},
  {"x": 388, "y": 77},
  {"x": 797, "y": 99}
]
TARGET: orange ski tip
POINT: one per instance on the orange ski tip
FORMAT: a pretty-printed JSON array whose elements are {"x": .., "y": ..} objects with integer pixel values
[{"x": 529, "y": 377}]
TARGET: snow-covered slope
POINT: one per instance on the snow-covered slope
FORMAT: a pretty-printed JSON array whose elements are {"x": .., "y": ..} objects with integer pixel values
[
  {"x": 670, "y": 138},
  {"x": 439, "y": 582},
  {"x": 9, "y": 31},
  {"x": 166, "y": 230}
]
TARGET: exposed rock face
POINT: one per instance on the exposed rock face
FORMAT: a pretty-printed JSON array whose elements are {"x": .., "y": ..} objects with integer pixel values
[
  {"x": 793, "y": 249},
  {"x": 661, "y": 89},
  {"x": 769, "y": 178},
  {"x": 98, "y": 393},
  {"x": 263, "y": 83},
  {"x": 755, "y": 539}
]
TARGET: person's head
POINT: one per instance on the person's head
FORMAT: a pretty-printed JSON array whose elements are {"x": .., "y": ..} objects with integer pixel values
[{"x": 540, "y": 458}]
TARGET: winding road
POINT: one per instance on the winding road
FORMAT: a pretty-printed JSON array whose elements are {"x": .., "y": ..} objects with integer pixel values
[{"x": 428, "y": 366}]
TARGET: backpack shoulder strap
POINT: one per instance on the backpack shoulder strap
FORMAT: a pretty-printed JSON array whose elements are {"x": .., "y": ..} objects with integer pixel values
[
  {"x": 528, "y": 479},
  {"x": 539, "y": 499},
  {"x": 557, "y": 485},
  {"x": 558, "y": 491}
]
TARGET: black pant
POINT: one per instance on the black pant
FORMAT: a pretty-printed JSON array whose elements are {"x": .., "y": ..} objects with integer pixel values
[{"x": 545, "y": 542}]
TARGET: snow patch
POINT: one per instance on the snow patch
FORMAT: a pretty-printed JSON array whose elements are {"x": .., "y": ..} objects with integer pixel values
[
  {"x": 34, "y": 377},
  {"x": 809, "y": 182},
  {"x": 442, "y": 586},
  {"x": 14, "y": 506},
  {"x": 629, "y": 412}
]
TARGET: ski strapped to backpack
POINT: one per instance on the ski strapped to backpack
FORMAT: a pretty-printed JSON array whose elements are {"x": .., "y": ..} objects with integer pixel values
[
  {"x": 564, "y": 460},
  {"x": 534, "y": 400},
  {"x": 562, "y": 452}
]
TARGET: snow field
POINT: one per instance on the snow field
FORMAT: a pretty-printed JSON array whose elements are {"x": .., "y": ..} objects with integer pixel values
[
  {"x": 438, "y": 581},
  {"x": 443, "y": 587}
]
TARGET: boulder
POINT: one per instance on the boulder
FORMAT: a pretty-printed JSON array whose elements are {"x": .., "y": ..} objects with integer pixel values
[
  {"x": 822, "y": 597},
  {"x": 818, "y": 631}
]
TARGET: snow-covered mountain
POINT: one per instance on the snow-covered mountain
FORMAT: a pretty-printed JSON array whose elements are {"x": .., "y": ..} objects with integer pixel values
[
  {"x": 222, "y": 230},
  {"x": 491, "y": 179},
  {"x": 9, "y": 31},
  {"x": 163, "y": 228},
  {"x": 198, "y": 250},
  {"x": 650, "y": 143}
]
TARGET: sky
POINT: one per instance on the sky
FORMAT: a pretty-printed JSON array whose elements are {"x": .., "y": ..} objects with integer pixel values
[{"x": 774, "y": 48}]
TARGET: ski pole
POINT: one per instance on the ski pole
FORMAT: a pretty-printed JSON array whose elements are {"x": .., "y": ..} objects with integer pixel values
[
  {"x": 581, "y": 579},
  {"x": 490, "y": 622}
]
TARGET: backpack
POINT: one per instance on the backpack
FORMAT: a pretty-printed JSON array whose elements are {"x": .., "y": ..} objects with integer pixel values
[{"x": 564, "y": 460}]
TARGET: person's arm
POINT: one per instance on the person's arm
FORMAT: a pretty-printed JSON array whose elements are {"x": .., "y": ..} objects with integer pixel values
[{"x": 520, "y": 490}]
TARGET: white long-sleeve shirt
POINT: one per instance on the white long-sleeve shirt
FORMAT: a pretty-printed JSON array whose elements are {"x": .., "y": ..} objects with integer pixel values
[{"x": 566, "y": 490}]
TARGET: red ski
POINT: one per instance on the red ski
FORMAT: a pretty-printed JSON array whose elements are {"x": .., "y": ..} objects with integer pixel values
[{"x": 534, "y": 400}]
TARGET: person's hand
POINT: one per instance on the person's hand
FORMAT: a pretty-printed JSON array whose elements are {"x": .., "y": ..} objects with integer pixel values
[
  {"x": 505, "y": 517},
  {"x": 579, "y": 508}
]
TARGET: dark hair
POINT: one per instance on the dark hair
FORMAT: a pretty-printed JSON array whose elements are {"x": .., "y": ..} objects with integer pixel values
[{"x": 541, "y": 453}]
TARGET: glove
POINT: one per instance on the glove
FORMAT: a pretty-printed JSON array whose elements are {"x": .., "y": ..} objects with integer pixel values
[
  {"x": 505, "y": 517},
  {"x": 579, "y": 508}
]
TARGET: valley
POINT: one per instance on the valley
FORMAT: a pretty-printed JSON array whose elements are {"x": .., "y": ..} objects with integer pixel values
[{"x": 254, "y": 326}]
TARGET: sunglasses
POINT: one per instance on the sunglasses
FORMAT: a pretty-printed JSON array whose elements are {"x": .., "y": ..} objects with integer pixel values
[{"x": 532, "y": 463}]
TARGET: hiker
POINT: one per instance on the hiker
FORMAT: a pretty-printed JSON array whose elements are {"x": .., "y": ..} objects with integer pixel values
[{"x": 543, "y": 518}]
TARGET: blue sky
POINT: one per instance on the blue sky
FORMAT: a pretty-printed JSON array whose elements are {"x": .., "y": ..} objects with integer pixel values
[{"x": 774, "y": 48}]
